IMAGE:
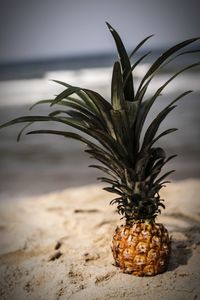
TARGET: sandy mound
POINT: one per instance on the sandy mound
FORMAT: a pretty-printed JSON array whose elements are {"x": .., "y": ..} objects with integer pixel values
[{"x": 57, "y": 246}]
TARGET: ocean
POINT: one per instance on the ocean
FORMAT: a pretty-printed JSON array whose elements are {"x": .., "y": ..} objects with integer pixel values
[{"x": 42, "y": 163}]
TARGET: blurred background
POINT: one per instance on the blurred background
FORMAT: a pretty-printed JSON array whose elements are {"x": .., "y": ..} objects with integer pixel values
[{"x": 69, "y": 41}]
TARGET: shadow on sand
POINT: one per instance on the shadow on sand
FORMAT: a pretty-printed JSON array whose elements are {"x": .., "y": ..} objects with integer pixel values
[{"x": 181, "y": 250}]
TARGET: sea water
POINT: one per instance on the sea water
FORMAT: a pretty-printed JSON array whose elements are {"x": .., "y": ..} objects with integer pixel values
[{"x": 44, "y": 163}]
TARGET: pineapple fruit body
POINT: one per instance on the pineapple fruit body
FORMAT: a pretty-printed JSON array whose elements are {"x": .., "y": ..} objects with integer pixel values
[{"x": 141, "y": 248}]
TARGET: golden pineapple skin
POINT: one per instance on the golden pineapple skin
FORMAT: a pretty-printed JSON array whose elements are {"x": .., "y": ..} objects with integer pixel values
[{"x": 141, "y": 248}]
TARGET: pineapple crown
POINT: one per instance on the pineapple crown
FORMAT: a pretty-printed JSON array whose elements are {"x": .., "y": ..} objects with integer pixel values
[{"x": 132, "y": 164}]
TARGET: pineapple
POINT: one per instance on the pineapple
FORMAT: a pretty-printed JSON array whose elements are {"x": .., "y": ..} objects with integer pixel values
[{"x": 132, "y": 163}]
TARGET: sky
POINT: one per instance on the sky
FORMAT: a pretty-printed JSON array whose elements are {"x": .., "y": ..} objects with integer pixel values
[{"x": 42, "y": 29}]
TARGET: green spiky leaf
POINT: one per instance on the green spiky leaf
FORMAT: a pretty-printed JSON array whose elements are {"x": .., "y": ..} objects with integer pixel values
[
  {"x": 125, "y": 63},
  {"x": 117, "y": 93}
]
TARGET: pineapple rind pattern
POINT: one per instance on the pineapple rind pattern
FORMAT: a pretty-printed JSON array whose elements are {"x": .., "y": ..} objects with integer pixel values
[{"x": 141, "y": 248}]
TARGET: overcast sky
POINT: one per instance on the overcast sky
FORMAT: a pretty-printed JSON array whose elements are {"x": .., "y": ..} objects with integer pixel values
[{"x": 32, "y": 29}]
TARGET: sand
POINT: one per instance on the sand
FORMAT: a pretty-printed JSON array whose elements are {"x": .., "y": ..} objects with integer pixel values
[{"x": 57, "y": 246}]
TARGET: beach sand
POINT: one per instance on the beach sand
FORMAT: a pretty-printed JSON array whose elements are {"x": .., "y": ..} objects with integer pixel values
[{"x": 57, "y": 246}]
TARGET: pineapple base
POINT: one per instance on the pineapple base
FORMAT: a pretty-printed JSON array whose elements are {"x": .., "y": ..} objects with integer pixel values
[{"x": 141, "y": 248}]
